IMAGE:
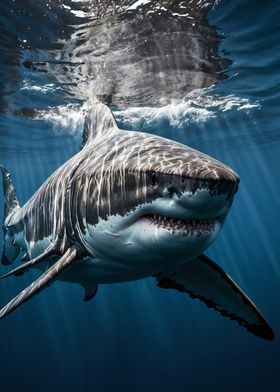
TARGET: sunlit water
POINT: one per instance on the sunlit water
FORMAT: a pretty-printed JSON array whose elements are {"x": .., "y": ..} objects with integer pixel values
[{"x": 135, "y": 336}]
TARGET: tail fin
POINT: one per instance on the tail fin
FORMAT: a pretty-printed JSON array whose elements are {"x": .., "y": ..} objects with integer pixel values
[{"x": 10, "y": 251}]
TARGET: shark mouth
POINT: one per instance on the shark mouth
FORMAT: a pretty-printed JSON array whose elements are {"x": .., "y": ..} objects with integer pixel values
[{"x": 184, "y": 226}]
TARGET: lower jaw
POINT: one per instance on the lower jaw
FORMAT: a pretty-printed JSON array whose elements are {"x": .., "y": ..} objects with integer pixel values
[
  {"x": 187, "y": 228},
  {"x": 190, "y": 233}
]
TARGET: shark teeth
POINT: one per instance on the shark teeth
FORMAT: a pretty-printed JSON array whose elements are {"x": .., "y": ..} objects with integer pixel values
[{"x": 186, "y": 226}]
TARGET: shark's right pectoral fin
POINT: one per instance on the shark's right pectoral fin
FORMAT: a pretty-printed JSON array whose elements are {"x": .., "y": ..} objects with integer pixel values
[
  {"x": 70, "y": 256},
  {"x": 205, "y": 280}
]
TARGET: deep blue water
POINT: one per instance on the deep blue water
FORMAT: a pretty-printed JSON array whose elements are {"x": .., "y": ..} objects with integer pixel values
[{"x": 135, "y": 336}]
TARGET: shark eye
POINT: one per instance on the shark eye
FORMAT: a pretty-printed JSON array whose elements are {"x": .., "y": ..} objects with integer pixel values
[{"x": 153, "y": 178}]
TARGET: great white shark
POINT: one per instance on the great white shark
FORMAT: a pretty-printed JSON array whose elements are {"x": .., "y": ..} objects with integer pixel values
[{"x": 129, "y": 205}]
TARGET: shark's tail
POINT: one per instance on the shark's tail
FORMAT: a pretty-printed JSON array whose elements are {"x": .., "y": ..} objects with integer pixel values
[{"x": 11, "y": 204}]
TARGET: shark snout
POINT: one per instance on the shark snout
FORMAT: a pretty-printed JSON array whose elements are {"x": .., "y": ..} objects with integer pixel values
[
  {"x": 204, "y": 197},
  {"x": 203, "y": 203},
  {"x": 226, "y": 185},
  {"x": 222, "y": 181},
  {"x": 215, "y": 177}
]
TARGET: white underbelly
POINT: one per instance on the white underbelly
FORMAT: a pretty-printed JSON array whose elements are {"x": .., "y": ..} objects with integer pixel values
[{"x": 101, "y": 271}]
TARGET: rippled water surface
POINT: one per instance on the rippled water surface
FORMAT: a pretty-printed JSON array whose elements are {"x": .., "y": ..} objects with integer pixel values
[{"x": 202, "y": 73}]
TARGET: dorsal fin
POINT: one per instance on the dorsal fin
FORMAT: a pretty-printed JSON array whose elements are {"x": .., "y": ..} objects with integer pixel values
[{"x": 99, "y": 122}]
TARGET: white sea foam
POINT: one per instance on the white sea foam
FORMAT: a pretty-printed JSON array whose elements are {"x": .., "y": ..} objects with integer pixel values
[
  {"x": 197, "y": 108},
  {"x": 65, "y": 119},
  {"x": 46, "y": 88}
]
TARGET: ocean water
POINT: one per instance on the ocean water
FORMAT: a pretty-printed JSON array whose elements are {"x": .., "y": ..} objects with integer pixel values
[{"x": 206, "y": 75}]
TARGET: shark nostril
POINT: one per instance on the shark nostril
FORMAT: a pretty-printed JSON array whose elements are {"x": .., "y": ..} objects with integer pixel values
[
  {"x": 172, "y": 189},
  {"x": 227, "y": 187},
  {"x": 233, "y": 191}
]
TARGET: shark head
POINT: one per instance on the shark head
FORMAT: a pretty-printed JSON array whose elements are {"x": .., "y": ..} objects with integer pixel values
[{"x": 147, "y": 199}]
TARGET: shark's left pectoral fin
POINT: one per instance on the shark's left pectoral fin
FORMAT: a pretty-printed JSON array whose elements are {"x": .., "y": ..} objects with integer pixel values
[
  {"x": 10, "y": 250},
  {"x": 90, "y": 290},
  {"x": 70, "y": 256},
  {"x": 205, "y": 280}
]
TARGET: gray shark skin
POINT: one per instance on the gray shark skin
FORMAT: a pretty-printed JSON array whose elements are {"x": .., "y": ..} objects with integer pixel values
[{"x": 129, "y": 205}]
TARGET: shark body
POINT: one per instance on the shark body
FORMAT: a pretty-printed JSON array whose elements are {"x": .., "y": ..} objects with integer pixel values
[{"x": 129, "y": 205}]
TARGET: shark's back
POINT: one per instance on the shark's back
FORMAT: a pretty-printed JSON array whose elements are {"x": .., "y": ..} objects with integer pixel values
[{"x": 43, "y": 215}]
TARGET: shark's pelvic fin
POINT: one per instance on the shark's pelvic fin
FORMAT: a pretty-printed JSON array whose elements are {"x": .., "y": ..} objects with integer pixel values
[
  {"x": 51, "y": 249},
  {"x": 70, "y": 256},
  {"x": 25, "y": 257},
  {"x": 11, "y": 204},
  {"x": 99, "y": 122},
  {"x": 90, "y": 291},
  {"x": 205, "y": 280}
]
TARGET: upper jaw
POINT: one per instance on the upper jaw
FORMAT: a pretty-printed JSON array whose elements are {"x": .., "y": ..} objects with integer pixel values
[
  {"x": 169, "y": 211},
  {"x": 199, "y": 205}
]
